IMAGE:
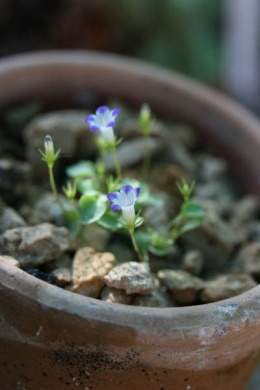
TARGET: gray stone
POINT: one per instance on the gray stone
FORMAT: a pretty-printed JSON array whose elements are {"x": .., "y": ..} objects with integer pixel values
[
  {"x": 226, "y": 286},
  {"x": 60, "y": 271},
  {"x": 215, "y": 239},
  {"x": 89, "y": 269},
  {"x": 211, "y": 168},
  {"x": 215, "y": 190},
  {"x": 68, "y": 130},
  {"x": 94, "y": 236},
  {"x": 157, "y": 298},
  {"x": 253, "y": 231},
  {"x": 193, "y": 262},
  {"x": 10, "y": 219},
  {"x": 183, "y": 135},
  {"x": 132, "y": 152},
  {"x": 35, "y": 245},
  {"x": 248, "y": 259},
  {"x": 132, "y": 277},
  {"x": 156, "y": 214},
  {"x": 178, "y": 154},
  {"x": 46, "y": 209},
  {"x": 114, "y": 295},
  {"x": 62, "y": 276},
  {"x": 184, "y": 287},
  {"x": 246, "y": 209},
  {"x": 14, "y": 177},
  {"x": 8, "y": 260}
]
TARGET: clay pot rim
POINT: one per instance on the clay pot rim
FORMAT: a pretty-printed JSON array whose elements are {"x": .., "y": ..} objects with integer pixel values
[{"x": 50, "y": 296}]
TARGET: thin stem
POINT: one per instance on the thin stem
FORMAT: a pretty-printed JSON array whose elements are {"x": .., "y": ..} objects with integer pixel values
[
  {"x": 147, "y": 159},
  {"x": 54, "y": 187},
  {"x": 135, "y": 245},
  {"x": 103, "y": 177},
  {"x": 117, "y": 163}
]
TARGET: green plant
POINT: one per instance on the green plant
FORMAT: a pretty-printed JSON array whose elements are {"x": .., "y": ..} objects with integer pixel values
[{"x": 90, "y": 191}]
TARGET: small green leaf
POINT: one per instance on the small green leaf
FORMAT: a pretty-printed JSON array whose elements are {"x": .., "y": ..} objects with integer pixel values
[
  {"x": 193, "y": 210},
  {"x": 72, "y": 220},
  {"x": 190, "y": 225},
  {"x": 138, "y": 221},
  {"x": 86, "y": 185},
  {"x": 92, "y": 207},
  {"x": 143, "y": 240},
  {"x": 154, "y": 242},
  {"x": 82, "y": 169},
  {"x": 111, "y": 221},
  {"x": 113, "y": 184},
  {"x": 160, "y": 245}
]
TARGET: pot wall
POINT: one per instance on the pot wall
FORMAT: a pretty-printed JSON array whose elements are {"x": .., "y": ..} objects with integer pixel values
[{"x": 53, "y": 339}]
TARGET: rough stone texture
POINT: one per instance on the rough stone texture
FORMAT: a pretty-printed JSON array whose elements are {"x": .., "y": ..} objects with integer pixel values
[
  {"x": 249, "y": 259},
  {"x": 157, "y": 215},
  {"x": 254, "y": 231},
  {"x": 157, "y": 298},
  {"x": 62, "y": 276},
  {"x": 132, "y": 152},
  {"x": 184, "y": 287},
  {"x": 246, "y": 209},
  {"x": 178, "y": 154},
  {"x": 68, "y": 130},
  {"x": 211, "y": 168},
  {"x": 93, "y": 236},
  {"x": 10, "y": 219},
  {"x": 35, "y": 245},
  {"x": 193, "y": 262},
  {"x": 114, "y": 295},
  {"x": 14, "y": 176},
  {"x": 180, "y": 134},
  {"x": 217, "y": 190},
  {"x": 61, "y": 271},
  {"x": 132, "y": 277},
  {"x": 89, "y": 269},
  {"x": 9, "y": 261},
  {"x": 46, "y": 209},
  {"x": 215, "y": 239},
  {"x": 226, "y": 286}
]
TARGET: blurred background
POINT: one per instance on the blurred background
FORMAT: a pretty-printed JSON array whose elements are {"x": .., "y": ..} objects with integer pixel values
[{"x": 215, "y": 41}]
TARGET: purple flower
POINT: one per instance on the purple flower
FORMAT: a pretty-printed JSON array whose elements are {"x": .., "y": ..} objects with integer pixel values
[
  {"x": 124, "y": 200},
  {"x": 103, "y": 122}
]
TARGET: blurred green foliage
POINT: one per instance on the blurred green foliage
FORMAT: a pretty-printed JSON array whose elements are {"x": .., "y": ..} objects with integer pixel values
[{"x": 181, "y": 34}]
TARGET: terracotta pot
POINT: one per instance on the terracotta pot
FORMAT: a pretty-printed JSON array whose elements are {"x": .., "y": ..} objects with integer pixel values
[{"x": 53, "y": 339}]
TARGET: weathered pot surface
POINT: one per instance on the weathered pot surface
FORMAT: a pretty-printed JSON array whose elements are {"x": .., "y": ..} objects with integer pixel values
[{"x": 54, "y": 339}]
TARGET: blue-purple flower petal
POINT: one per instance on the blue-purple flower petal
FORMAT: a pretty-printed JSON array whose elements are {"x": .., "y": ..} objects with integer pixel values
[
  {"x": 112, "y": 196},
  {"x": 137, "y": 191},
  {"x": 115, "y": 112},
  {"x": 102, "y": 109},
  {"x": 103, "y": 121},
  {"x": 111, "y": 124},
  {"x": 127, "y": 188},
  {"x": 90, "y": 118},
  {"x": 115, "y": 207},
  {"x": 93, "y": 128}
]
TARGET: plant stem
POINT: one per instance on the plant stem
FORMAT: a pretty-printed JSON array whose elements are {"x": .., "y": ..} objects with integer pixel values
[
  {"x": 54, "y": 187},
  {"x": 103, "y": 177},
  {"x": 117, "y": 163},
  {"x": 147, "y": 159},
  {"x": 135, "y": 245}
]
